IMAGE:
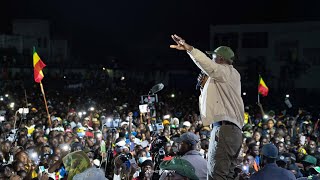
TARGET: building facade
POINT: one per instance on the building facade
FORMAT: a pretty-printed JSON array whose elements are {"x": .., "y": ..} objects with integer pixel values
[
  {"x": 287, "y": 55},
  {"x": 30, "y": 33}
]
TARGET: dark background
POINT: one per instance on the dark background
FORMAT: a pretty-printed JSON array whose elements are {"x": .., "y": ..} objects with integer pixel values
[{"x": 140, "y": 30}]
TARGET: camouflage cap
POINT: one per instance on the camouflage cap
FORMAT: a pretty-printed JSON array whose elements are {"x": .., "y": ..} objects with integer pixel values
[
  {"x": 310, "y": 159},
  {"x": 223, "y": 51},
  {"x": 181, "y": 167}
]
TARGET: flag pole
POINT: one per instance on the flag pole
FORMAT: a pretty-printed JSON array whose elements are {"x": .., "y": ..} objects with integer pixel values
[
  {"x": 258, "y": 89},
  {"x": 25, "y": 95},
  {"x": 45, "y": 102}
]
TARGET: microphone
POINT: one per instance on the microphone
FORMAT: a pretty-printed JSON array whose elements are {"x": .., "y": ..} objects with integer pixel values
[
  {"x": 156, "y": 88},
  {"x": 199, "y": 80},
  {"x": 198, "y": 85}
]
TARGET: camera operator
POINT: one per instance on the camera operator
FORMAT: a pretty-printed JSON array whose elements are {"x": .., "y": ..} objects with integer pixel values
[
  {"x": 168, "y": 152},
  {"x": 188, "y": 150},
  {"x": 147, "y": 171},
  {"x": 123, "y": 167}
]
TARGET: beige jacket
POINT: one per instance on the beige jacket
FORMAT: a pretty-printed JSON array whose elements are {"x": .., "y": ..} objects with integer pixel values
[{"x": 220, "y": 99}]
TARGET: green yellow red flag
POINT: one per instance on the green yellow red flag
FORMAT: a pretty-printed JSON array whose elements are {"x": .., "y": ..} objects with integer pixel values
[
  {"x": 38, "y": 65},
  {"x": 262, "y": 88}
]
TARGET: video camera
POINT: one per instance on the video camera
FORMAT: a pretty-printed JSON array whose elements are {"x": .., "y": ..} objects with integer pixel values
[
  {"x": 157, "y": 149},
  {"x": 158, "y": 144},
  {"x": 126, "y": 159},
  {"x": 113, "y": 130}
]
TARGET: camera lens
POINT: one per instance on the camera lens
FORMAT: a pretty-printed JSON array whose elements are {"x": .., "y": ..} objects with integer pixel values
[
  {"x": 129, "y": 155},
  {"x": 123, "y": 158}
]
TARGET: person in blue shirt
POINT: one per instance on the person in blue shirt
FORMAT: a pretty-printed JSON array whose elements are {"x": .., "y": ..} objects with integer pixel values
[
  {"x": 270, "y": 170},
  {"x": 254, "y": 151}
]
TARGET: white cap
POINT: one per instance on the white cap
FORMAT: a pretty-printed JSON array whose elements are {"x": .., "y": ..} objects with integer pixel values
[
  {"x": 121, "y": 143},
  {"x": 124, "y": 147},
  {"x": 186, "y": 123},
  {"x": 96, "y": 162},
  {"x": 89, "y": 128},
  {"x": 123, "y": 123},
  {"x": 175, "y": 121}
]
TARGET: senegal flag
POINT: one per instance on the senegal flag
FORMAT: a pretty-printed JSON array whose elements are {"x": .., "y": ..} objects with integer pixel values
[
  {"x": 262, "y": 88},
  {"x": 38, "y": 65}
]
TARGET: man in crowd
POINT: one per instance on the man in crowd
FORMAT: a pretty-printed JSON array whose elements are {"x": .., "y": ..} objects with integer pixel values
[
  {"x": 309, "y": 162},
  {"x": 188, "y": 150},
  {"x": 221, "y": 105},
  {"x": 270, "y": 169}
]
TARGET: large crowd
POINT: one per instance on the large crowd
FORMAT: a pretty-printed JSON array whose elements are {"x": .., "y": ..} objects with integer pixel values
[{"x": 119, "y": 141}]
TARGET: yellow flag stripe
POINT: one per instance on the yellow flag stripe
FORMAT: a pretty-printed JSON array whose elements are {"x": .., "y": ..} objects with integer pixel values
[
  {"x": 36, "y": 58},
  {"x": 262, "y": 83}
]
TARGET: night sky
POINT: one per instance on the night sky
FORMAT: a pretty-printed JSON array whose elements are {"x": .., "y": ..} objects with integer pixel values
[{"x": 140, "y": 29}]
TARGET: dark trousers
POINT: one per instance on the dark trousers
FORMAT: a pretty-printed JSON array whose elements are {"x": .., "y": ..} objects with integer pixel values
[{"x": 224, "y": 149}]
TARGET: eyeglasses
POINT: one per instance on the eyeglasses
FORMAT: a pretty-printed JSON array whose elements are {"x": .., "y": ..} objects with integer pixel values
[
  {"x": 171, "y": 173},
  {"x": 168, "y": 173}
]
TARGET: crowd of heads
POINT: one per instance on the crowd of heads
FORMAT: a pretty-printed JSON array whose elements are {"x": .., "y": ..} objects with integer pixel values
[
  {"x": 83, "y": 121},
  {"x": 294, "y": 134},
  {"x": 97, "y": 122}
]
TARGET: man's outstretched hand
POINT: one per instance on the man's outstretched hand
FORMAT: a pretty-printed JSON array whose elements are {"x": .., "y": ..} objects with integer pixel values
[{"x": 181, "y": 44}]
